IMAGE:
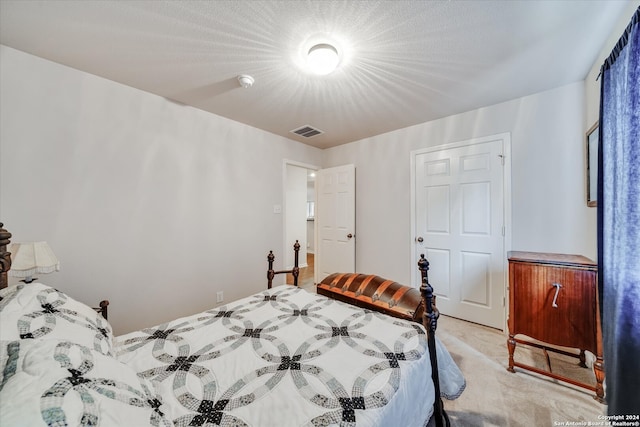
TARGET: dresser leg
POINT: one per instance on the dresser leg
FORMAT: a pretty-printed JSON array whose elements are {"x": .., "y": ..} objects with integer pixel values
[
  {"x": 583, "y": 360},
  {"x": 598, "y": 369},
  {"x": 511, "y": 345}
]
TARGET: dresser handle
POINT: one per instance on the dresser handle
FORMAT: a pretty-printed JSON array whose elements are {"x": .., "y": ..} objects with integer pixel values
[{"x": 557, "y": 286}]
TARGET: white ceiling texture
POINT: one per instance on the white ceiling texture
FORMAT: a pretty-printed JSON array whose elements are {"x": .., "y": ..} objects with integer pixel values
[{"x": 402, "y": 62}]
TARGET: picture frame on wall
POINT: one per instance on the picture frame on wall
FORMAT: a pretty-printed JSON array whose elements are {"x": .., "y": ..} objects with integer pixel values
[{"x": 592, "y": 140}]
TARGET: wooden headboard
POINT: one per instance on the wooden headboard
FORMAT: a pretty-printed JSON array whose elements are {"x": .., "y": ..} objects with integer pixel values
[{"x": 5, "y": 257}]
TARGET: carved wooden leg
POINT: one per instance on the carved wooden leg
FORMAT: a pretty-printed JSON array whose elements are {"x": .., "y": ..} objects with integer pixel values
[
  {"x": 598, "y": 369},
  {"x": 583, "y": 360},
  {"x": 511, "y": 345}
]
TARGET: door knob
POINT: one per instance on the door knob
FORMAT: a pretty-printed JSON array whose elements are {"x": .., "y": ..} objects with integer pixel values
[
  {"x": 349, "y": 236},
  {"x": 419, "y": 239}
]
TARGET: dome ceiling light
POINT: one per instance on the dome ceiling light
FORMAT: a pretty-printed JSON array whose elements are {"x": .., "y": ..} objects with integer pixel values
[{"x": 323, "y": 59}]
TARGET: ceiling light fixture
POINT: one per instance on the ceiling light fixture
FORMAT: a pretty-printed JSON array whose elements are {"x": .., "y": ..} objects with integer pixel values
[{"x": 323, "y": 59}]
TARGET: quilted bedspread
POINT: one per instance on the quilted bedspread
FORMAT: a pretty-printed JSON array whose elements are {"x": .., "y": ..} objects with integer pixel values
[
  {"x": 286, "y": 357},
  {"x": 282, "y": 357}
]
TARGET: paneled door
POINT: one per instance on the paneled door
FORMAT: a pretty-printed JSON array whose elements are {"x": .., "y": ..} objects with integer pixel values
[
  {"x": 335, "y": 221},
  {"x": 459, "y": 225}
]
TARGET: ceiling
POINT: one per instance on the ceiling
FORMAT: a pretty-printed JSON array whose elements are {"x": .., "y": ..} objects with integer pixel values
[{"x": 402, "y": 62}]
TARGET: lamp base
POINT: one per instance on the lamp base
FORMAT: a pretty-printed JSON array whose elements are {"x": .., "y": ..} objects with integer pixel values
[{"x": 29, "y": 279}]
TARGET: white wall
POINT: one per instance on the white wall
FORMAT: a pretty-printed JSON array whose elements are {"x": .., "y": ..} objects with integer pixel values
[
  {"x": 549, "y": 211},
  {"x": 153, "y": 205}
]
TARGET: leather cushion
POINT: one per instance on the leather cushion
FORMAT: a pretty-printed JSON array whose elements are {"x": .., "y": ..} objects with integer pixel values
[{"x": 374, "y": 293}]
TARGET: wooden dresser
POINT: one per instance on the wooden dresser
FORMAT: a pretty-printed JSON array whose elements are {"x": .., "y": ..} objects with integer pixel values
[{"x": 553, "y": 298}]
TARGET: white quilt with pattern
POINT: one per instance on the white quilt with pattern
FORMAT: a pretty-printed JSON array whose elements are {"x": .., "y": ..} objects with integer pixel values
[
  {"x": 282, "y": 357},
  {"x": 286, "y": 357}
]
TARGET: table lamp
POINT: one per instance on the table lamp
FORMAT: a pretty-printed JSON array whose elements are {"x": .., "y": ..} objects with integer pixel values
[{"x": 31, "y": 258}]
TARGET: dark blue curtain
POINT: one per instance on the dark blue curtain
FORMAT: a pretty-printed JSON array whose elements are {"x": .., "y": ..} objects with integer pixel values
[{"x": 619, "y": 221}]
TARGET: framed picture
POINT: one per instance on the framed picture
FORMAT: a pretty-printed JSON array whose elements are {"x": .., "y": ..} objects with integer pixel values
[{"x": 592, "y": 165}]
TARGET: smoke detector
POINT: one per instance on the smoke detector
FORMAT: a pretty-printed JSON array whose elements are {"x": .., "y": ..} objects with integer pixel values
[{"x": 245, "y": 80}]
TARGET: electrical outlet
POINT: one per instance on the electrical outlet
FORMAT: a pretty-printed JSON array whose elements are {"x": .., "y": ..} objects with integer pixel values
[{"x": 220, "y": 296}]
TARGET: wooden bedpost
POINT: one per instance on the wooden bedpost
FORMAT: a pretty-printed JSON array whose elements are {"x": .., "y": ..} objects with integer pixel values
[
  {"x": 103, "y": 309},
  {"x": 5, "y": 257},
  {"x": 430, "y": 322},
  {"x": 270, "y": 273},
  {"x": 295, "y": 271}
]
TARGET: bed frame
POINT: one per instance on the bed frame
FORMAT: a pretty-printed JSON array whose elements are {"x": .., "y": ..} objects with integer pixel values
[
  {"x": 5, "y": 257},
  {"x": 295, "y": 271},
  {"x": 371, "y": 292},
  {"x": 391, "y": 298}
]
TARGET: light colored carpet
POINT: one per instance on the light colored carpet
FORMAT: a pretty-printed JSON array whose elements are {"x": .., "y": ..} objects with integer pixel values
[{"x": 496, "y": 397}]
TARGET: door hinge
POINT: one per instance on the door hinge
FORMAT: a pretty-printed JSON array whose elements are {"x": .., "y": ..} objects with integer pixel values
[
  {"x": 504, "y": 230},
  {"x": 503, "y": 301}
]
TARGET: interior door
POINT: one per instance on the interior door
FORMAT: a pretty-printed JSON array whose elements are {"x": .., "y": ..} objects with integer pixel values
[
  {"x": 335, "y": 221},
  {"x": 459, "y": 225}
]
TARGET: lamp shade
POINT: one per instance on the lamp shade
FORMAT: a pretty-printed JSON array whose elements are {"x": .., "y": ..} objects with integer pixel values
[{"x": 31, "y": 258}]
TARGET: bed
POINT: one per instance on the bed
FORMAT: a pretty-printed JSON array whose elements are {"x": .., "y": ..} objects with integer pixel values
[{"x": 281, "y": 357}]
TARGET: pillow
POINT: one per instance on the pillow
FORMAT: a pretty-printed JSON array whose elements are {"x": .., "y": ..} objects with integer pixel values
[
  {"x": 54, "y": 382},
  {"x": 38, "y": 311}
]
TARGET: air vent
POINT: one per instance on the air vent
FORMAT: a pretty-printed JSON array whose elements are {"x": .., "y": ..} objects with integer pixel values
[{"x": 307, "y": 131}]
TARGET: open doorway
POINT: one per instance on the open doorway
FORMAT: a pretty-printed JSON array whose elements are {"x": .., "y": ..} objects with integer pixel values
[{"x": 299, "y": 220}]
